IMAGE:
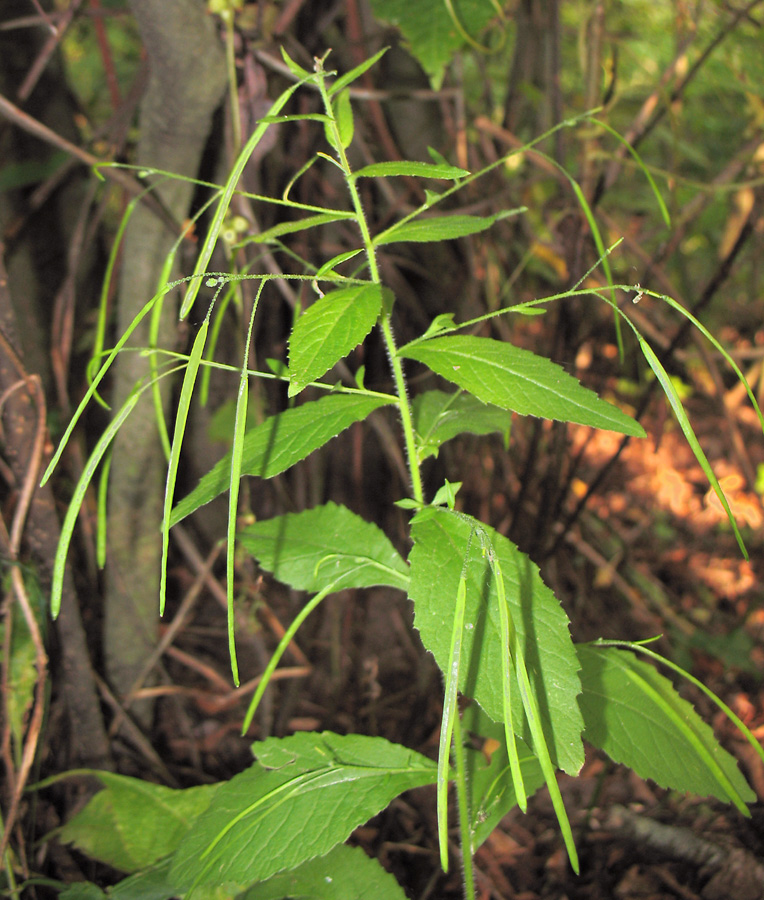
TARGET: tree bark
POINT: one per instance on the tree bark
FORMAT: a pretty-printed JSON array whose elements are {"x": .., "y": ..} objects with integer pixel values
[{"x": 186, "y": 85}]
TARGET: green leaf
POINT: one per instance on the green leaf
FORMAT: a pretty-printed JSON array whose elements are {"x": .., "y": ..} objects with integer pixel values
[
  {"x": 413, "y": 168},
  {"x": 430, "y": 33},
  {"x": 354, "y": 74},
  {"x": 221, "y": 211},
  {"x": 327, "y": 269},
  {"x": 489, "y": 776},
  {"x": 305, "y": 795},
  {"x": 294, "y": 68},
  {"x": 514, "y": 378},
  {"x": 310, "y": 549},
  {"x": 152, "y": 883},
  {"x": 281, "y": 441},
  {"x": 329, "y": 329},
  {"x": 440, "y": 417},
  {"x": 633, "y": 713},
  {"x": 300, "y": 117},
  {"x": 21, "y": 673},
  {"x": 343, "y": 116},
  {"x": 181, "y": 417},
  {"x": 440, "y": 544},
  {"x": 684, "y": 423},
  {"x": 307, "y": 222},
  {"x": 439, "y": 228},
  {"x": 133, "y": 823},
  {"x": 440, "y": 325},
  {"x": 78, "y": 497},
  {"x": 344, "y": 872}
]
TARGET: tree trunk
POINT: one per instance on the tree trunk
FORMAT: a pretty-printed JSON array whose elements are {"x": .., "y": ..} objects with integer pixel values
[{"x": 186, "y": 84}]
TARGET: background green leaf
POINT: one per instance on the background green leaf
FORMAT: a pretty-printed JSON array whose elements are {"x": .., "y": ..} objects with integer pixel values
[
  {"x": 430, "y": 33},
  {"x": 329, "y": 329},
  {"x": 281, "y": 441},
  {"x": 439, "y": 417},
  {"x": 440, "y": 543},
  {"x": 635, "y": 715},
  {"x": 514, "y": 378},
  {"x": 133, "y": 823},
  {"x": 266, "y": 820},
  {"x": 310, "y": 549}
]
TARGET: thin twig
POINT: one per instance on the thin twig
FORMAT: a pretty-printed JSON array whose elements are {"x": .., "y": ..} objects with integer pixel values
[
  {"x": 37, "y": 129},
  {"x": 34, "y": 387}
]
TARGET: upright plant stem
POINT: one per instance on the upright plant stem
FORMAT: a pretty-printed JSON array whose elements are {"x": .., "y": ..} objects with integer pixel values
[{"x": 384, "y": 318}]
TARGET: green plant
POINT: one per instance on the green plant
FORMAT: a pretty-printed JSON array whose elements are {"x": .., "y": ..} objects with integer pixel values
[{"x": 496, "y": 631}]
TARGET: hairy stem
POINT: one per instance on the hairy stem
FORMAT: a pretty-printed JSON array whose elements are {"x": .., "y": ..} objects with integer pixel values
[{"x": 385, "y": 324}]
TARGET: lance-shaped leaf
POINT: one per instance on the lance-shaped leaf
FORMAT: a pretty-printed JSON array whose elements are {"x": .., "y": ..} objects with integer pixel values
[
  {"x": 635, "y": 715},
  {"x": 329, "y": 329},
  {"x": 440, "y": 228},
  {"x": 310, "y": 549},
  {"x": 514, "y": 378},
  {"x": 440, "y": 543},
  {"x": 305, "y": 795},
  {"x": 349, "y": 77},
  {"x": 492, "y": 792},
  {"x": 132, "y": 823},
  {"x": 343, "y": 872},
  {"x": 440, "y": 417},
  {"x": 281, "y": 441},
  {"x": 284, "y": 228},
  {"x": 413, "y": 168}
]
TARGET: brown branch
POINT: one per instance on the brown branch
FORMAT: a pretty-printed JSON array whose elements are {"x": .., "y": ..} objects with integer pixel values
[
  {"x": 132, "y": 185},
  {"x": 33, "y": 386}
]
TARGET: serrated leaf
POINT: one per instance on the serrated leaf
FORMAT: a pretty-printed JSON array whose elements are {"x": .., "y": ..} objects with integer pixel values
[
  {"x": 514, "y": 378},
  {"x": 344, "y": 872},
  {"x": 440, "y": 417},
  {"x": 439, "y": 228},
  {"x": 635, "y": 715},
  {"x": 267, "y": 820},
  {"x": 281, "y": 441},
  {"x": 440, "y": 544},
  {"x": 414, "y": 168},
  {"x": 310, "y": 549},
  {"x": 132, "y": 823},
  {"x": 329, "y": 329}
]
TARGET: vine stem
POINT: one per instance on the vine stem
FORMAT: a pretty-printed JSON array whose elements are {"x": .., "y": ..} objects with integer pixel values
[{"x": 384, "y": 322}]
